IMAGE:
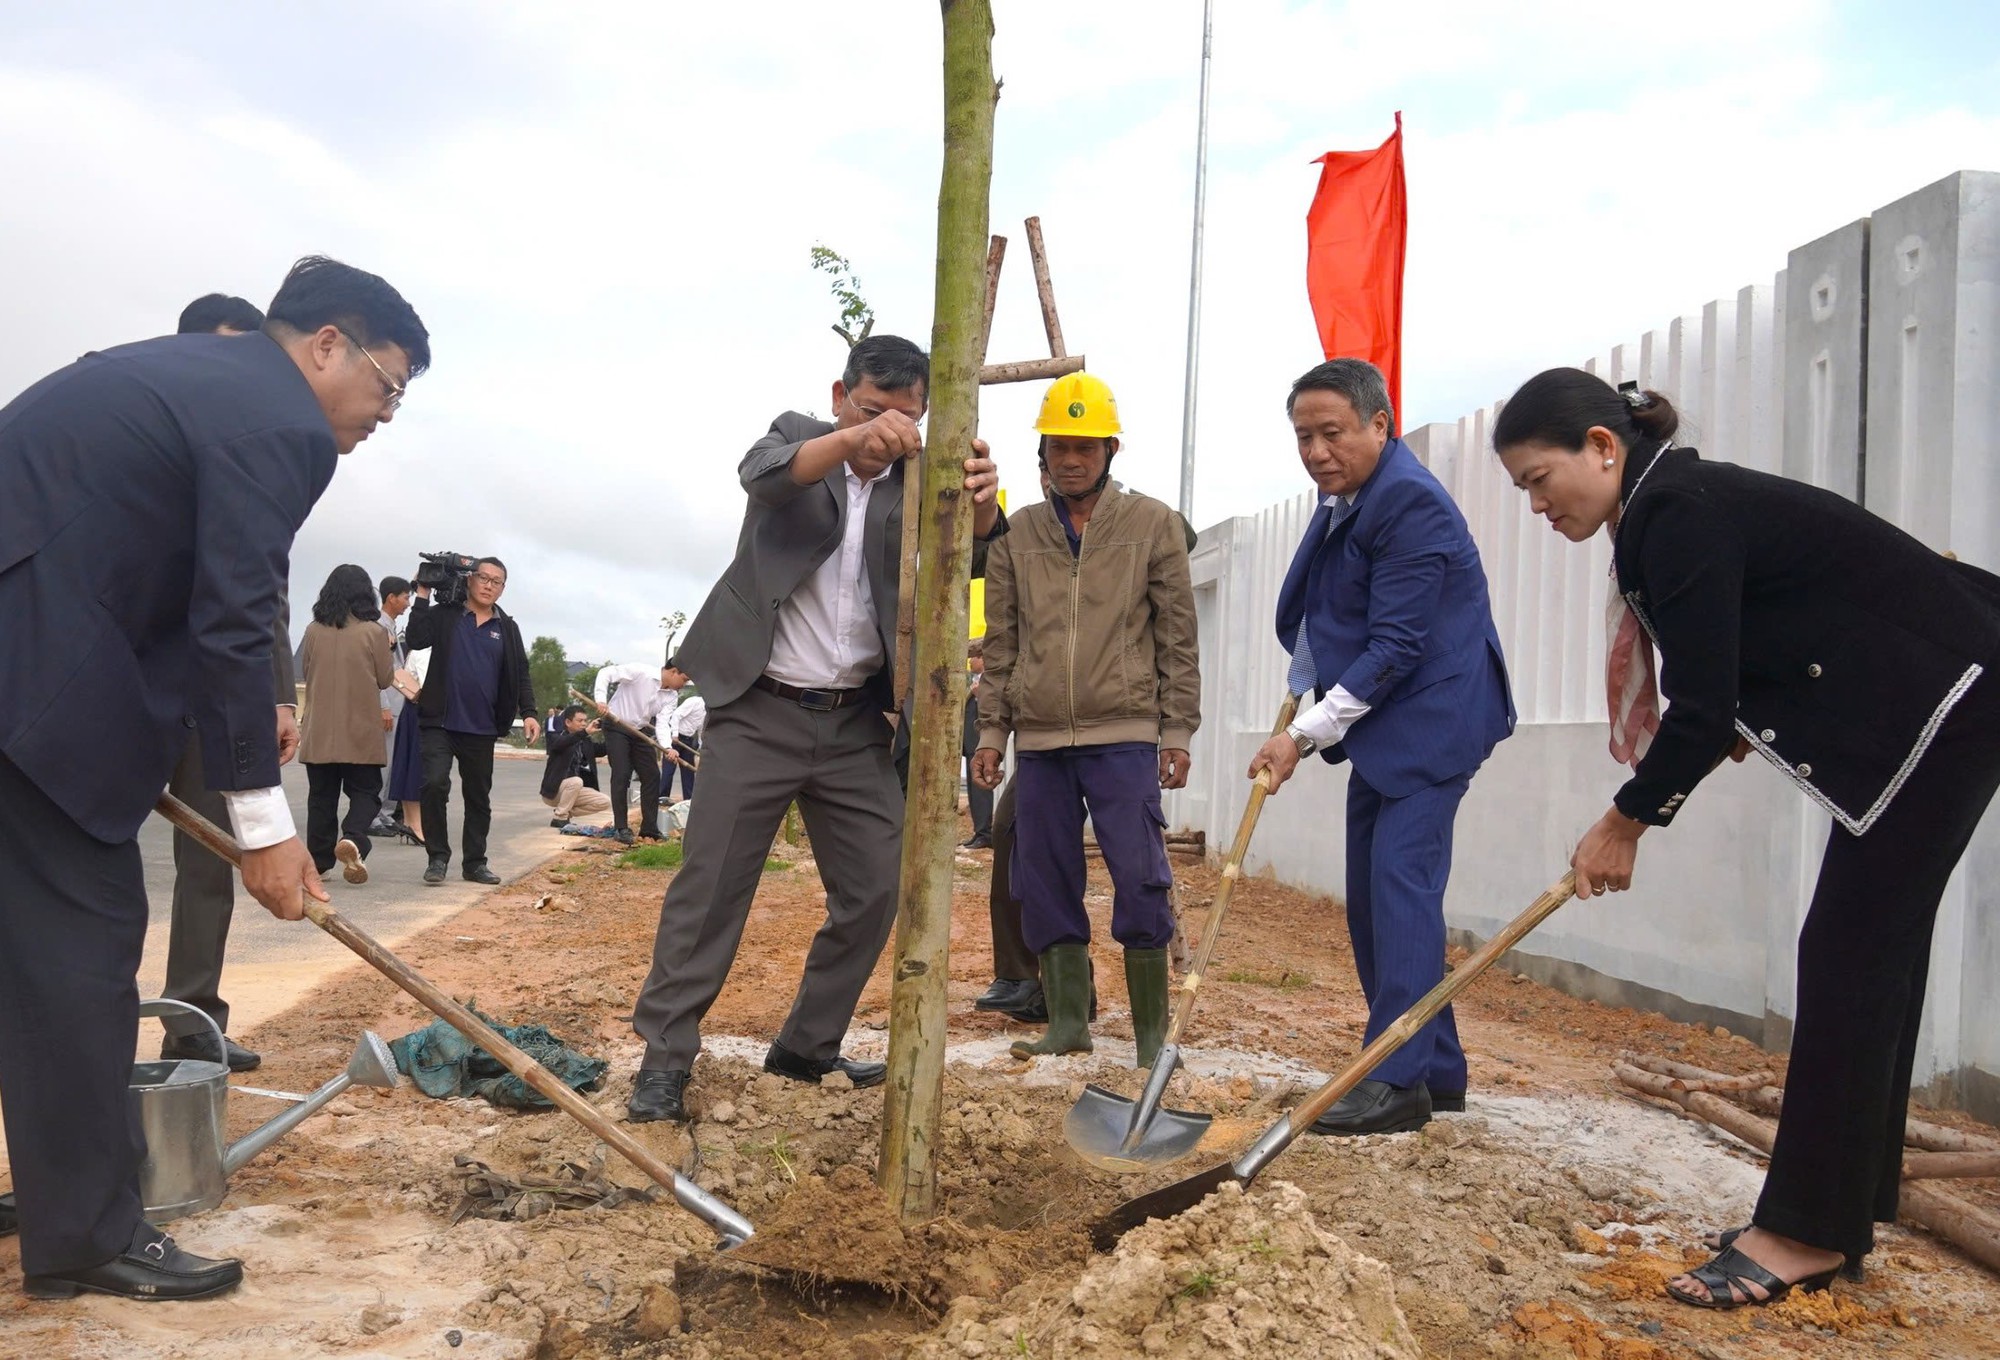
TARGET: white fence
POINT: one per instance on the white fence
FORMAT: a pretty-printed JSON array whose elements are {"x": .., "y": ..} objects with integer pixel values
[{"x": 1870, "y": 365}]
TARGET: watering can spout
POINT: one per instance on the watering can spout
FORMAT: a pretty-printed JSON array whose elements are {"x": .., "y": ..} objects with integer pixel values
[{"x": 371, "y": 1065}]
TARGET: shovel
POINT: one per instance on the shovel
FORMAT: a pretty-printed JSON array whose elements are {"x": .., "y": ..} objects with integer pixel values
[
  {"x": 1167, "y": 1202},
  {"x": 731, "y": 1227},
  {"x": 1111, "y": 1132}
]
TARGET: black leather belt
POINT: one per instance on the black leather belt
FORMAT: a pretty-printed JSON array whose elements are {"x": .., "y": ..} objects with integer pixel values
[{"x": 818, "y": 700}]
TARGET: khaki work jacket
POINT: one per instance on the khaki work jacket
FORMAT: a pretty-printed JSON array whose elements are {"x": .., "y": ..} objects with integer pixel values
[{"x": 1095, "y": 648}]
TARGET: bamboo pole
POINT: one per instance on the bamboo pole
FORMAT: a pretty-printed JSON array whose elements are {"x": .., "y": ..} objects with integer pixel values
[
  {"x": 914, "y": 1094},
  {"x": 1044, "y": 289},
  {"x": 1028, "y": 370}
]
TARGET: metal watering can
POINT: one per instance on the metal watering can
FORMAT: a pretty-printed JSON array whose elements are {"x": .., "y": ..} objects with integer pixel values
[{"x": 182, "y": 1110}]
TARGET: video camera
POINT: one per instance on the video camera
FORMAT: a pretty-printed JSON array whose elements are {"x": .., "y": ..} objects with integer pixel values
[{"x": 445, "y": 573}]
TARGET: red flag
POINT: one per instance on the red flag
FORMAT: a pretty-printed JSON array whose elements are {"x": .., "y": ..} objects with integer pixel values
[{"x": 1355, "y": 235}]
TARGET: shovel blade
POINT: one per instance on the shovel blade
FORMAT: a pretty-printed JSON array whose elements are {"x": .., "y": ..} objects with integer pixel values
[
  {"x": 1100, "y": 1129},
  {"x": 1161, "y": 1203}
]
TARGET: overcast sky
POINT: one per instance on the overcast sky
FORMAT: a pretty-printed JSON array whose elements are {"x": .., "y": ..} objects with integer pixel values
[{"x": 604, "y": 214}]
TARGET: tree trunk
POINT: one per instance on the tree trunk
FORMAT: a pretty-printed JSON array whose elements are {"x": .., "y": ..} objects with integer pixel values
[{"x": 915, "y": 1089}]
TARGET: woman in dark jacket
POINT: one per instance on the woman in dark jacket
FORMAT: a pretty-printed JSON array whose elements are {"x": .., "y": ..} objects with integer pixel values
[{"x": 1791, "y": 622}]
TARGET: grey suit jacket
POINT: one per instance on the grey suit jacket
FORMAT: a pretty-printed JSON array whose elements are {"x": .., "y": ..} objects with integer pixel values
[{"x": 788, "y": 530}]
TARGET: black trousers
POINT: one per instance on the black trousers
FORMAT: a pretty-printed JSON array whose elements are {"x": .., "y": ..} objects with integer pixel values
[
  {"x": 72, "y": 923},
  {"x": 204, "y": 901},
  {"x": 630, "y": 756},
  {"x": 474, "y": 754},
  {"x": 1011, "y": 956},
  {"x": 1864, "y": 957},
  {"x": 363, "y": 785},
  {"x": 688, "y": 748}
]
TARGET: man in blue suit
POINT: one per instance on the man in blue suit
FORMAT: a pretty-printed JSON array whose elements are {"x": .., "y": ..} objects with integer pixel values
[
  {"x": 1386, "y": 616},
  {"x": 149, "y": 495}
]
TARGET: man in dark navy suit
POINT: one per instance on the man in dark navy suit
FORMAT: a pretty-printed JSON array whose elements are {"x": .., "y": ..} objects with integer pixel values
[
  {"x": 149, "y": 495},
  {"x": 1386, "y": 615}
]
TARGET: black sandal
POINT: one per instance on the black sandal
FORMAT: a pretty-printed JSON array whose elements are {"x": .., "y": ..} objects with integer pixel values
[
  {"x": 1852, "y": 1269},
  {"x": 1725, "y": 1276}
]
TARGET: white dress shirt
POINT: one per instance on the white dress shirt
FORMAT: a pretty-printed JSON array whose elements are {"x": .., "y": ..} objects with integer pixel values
[
  {"x": 639, "y": 699},
  {"x": 1327, "y": 721},
  {"x": 690, "y": 716},
  {"x": 826, "y": 636}
]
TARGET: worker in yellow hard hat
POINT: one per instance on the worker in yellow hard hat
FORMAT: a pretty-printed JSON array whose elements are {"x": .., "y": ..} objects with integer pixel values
[{"x": 1091, "y": 666}]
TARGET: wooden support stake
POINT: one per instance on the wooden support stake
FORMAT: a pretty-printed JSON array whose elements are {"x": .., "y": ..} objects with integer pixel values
[
  {"x": 996, "y": 252},
  {"x": 1961, "y": 1166},
  {"x": 1029, "y": 370},
  {"x": 1044, "y": 289},
  {"x": 1973, "y": 1230},
  {"x": 1731, "y": 1119}
]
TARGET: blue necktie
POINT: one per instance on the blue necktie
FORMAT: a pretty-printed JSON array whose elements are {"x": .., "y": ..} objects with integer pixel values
[{"x": 1302, "y": 676}]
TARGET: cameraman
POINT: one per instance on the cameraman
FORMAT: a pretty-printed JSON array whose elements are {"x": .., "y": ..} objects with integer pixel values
[
  {"x": 477, "y": 684},
  {"x": 569, "y": 779}
]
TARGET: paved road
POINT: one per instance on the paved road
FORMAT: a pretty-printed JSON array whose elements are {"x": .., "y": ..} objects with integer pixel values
[{"x": 271, "y": 961}]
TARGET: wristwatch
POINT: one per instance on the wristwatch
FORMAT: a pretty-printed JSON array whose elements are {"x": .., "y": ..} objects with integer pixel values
[{"x": 1305, "y": 743}]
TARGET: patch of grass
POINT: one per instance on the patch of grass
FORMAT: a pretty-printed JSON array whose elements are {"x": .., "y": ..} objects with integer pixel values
[
  {"x": 779, "y": 1150},
  {"x": 1020, "y": 1343},
  {"x": 1286, "y": 980},
  {"x": 663, "y": 856},
  {"x": 1262, "y": 1245},
  {"x": 777, "y": 866},
  {"x": 1203, "y": 1283}
]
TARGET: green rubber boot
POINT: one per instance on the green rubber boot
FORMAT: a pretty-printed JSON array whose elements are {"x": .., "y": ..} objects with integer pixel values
[
  {"x": 1066, "y": 987},
  {"x": 1146, "y": 984}
]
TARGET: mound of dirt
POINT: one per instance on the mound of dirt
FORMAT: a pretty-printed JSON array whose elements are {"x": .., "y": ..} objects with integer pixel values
[{"x": 1236, "y": 1275}]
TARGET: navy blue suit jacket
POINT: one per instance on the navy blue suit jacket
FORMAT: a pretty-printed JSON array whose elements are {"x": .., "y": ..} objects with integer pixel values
[
  {"x": 148, "y": 499},
  {"x": 1397, "y": 613}
]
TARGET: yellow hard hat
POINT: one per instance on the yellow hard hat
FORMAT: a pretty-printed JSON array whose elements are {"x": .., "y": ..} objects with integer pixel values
[{"x": 1078, "y": 405}]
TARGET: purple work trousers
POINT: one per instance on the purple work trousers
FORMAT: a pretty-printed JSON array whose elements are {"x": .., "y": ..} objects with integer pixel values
[{"x": 1119, "y": 784}]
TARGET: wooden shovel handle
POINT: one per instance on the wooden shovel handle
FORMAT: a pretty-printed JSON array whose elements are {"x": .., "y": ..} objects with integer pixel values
[
  {"x": 1419, "y": 1015},
  {"x": 617, "y": 722},
  {"x": 1232, "y": 869},
  {"x": 458, "y": 1016}
]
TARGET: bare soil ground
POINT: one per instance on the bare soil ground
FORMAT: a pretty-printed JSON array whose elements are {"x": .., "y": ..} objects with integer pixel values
[{"x": 1539, "y": 1224}]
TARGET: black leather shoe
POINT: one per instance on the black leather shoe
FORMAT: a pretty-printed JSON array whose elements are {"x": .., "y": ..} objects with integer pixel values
[
  {"x": 1009, "y": 994},
  {"x": 479, "y": 873},
  {"x": 1447, "y": 1102},
  {"x": 623, "y": 835},
  {"x": 786, "y": 1063},
  {"x": 152, "y": 1269},
  {"x": 1377, "y": 1107},
  {"x": 201, "y": 1047},
  {"x": 434, "y": 872},
  {"x": 658, "y": 1095},
  {"x": 557, "y": 823},
  {"x": 979, "y": 841},
  {"x": 10, "y": 1221}
]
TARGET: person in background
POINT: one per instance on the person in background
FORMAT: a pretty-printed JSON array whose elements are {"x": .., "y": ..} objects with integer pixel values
[
  {"x": 978, "y": 799},
  {"x": 348, "y": 662},
  {"x": 477, "y": 685},
  {"x": 682, "y": 733},
  {"x": 395, "y": 595},
  {"x": 640, "y": 697},
  {"x": 569, "y": 775},
  {"x": 405, "y": 787},
  {"x": 219, "y": 314}
]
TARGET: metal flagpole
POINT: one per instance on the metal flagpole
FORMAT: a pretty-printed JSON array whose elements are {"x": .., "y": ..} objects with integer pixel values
[{"x": 1194, "y": 271}]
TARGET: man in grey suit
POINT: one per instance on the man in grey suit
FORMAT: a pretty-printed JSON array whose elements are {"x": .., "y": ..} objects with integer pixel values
[{"x": 793, "y": 651}]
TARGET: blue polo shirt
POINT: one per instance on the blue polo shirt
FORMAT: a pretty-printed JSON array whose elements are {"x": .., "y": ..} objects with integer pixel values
[{"x": 474, "y": 687}]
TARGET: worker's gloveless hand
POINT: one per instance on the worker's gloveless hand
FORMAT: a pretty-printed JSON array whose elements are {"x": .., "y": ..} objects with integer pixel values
[
  {"x": 1174, "y": 766},
  {"x": 986, "y": 768},
  {"x": 1280, "y": 756},
  {"x": 1605, "y": 857},
  {"x": 982, "y": 479},
  {"x": 533, "y": 727},
  {"x": 288, "y": 734},
  {"x": 879, "y": 442},
  {"x": 277, "y": 874}
]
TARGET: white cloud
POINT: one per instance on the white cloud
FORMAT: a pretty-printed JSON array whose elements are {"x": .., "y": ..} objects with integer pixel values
[{"x": 604, "y": 212}]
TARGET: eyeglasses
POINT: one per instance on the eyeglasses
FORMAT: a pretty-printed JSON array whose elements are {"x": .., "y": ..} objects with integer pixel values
[
  {"x": 488, "y": 578},
  {"x": 394, "y": 389},
  {"x": 870, "y": 412}
]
